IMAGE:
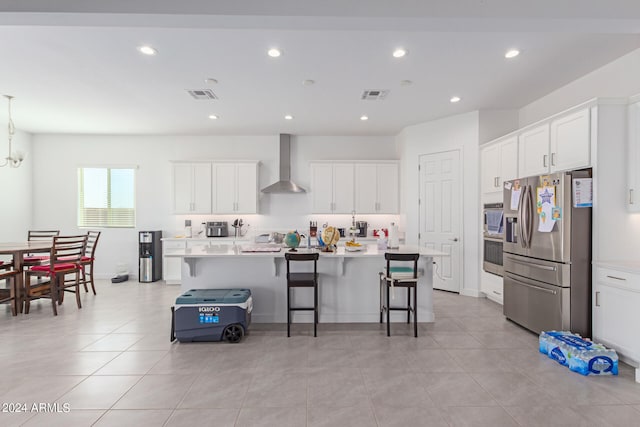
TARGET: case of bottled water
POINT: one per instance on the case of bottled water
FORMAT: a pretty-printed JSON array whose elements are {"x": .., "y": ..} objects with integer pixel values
[{"x": 578, "y": 354}]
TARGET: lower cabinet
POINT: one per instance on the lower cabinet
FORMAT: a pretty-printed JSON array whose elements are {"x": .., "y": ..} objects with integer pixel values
[
  {"x": 616, "y": 298},
  {"x": 172, "y": 267},
  {"x": 491, "y": 286}
]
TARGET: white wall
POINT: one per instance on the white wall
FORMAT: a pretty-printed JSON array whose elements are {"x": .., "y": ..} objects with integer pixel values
[
  {"x": 493, "y": 124},
  {"x": 618, "y": 78},
  {"x": 16, "y": 184},
  {"x": 456, "y": 132},
  {"x": 57, "y": 157}
]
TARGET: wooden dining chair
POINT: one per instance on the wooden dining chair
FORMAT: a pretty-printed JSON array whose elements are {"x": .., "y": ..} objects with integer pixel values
[
  {"x": 10, "y": 293},
  {"x": 65, "y": 258},
  {"x": 38, "y": 236},
  {"x": 87, "y": 260}
]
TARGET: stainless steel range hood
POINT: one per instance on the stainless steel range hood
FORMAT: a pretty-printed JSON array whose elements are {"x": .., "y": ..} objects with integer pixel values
[{"x": 284, "y": 185}]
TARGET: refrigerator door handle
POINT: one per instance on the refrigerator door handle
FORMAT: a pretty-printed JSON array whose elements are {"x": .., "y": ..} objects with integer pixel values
[
  {"x": 529, "y": 216},
  {"x": 532, "y": 264},
  {"x": 519, "y": 226},
  {"x": 538, "y": 288}
]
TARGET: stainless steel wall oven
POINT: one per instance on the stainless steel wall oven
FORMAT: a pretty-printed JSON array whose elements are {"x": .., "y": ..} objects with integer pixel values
[{"x": 493, "y": 236}]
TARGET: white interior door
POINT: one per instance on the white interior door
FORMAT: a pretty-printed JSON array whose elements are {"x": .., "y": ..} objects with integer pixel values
[{"x": 440, "y": 218}]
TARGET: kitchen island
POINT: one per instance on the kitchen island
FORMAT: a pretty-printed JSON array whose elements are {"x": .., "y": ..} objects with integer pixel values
[{"x": 348, "y": 282}]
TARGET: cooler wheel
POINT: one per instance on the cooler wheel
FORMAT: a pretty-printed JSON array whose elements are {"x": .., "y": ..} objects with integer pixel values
[{"x": 233, "y": 333}]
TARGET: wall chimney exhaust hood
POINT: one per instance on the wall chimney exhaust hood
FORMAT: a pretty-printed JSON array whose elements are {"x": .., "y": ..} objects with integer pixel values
[{"x": 284, "y": 185}]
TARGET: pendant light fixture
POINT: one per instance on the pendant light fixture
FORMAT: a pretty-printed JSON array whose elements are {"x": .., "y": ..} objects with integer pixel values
[{"x": 13, "y": 159}]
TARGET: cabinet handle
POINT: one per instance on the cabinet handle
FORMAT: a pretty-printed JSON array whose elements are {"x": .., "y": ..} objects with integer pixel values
[
  {"x": 553, "y": 159},
  {"x": 544, "y": 160},
  {"x": 616, "y": 278},
  {"x": 496, "y": 292},
  {"x": 631, "y": 196},
  {"x": 597, "y": 298}
]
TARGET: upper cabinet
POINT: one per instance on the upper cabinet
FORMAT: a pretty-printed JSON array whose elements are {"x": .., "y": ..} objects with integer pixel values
[
  {"x": 499, "y": 163},
  {"x": 633, "y": 158},
  {"x": 564, "y": 143},
  {"x": 205, "y": 187},
  {"x": 332, "y": 187},
  {"x": 235, "y": 188},
  {"x": 570, "y": 143},
  {"x": 376, "y": 188},
  {"x": 191, "y": 188},
  {"x": 533, "y": 145}
]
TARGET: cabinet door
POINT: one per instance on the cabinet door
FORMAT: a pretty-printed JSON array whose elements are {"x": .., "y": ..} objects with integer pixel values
[
  {"x": 224, "y": 182},
  {"x": 615, "y": 318},
  {"x": 201, "y": 188},
  {"x": 490, "y": 169},
  {"x": 533, "y": 151},
  {"x": 321, "y": 188},
  {"x": 182, "y": 188},
  {"x": 388, "y": 189},
  {"x": 247, "y": 188},
  {"x": 508, "y": 161},
  {"x": 172, "y": 267},
  {"x": 343, "y": 188},
  {"x": 366, "y": 190},
  {"x": 571, "y": 141},
  {"x": 633, "y": 158}
]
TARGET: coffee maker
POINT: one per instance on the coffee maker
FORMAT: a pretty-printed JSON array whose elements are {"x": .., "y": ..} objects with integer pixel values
[{"x": 362, "y": 228}]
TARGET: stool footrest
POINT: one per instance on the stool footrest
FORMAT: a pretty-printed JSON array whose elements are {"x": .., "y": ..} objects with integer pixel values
[{"x": 302, "y": 308}]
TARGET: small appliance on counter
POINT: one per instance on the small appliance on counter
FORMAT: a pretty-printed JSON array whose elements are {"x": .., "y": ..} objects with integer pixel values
[
  {"x": 362, "y": 228},
  {"x": 187, "y": 228},
  {"x": 218, "y": 229}
]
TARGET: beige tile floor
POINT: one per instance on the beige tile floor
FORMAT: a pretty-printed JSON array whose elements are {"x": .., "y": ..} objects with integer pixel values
[{"x": 113, "y": 365}]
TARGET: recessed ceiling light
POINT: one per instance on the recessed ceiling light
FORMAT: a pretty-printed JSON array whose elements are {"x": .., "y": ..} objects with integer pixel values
[
  {"x": 455, "y": 99},
  {"x": 211, "y": 81},
  {"x": 308, "y": 82},
  {"x": 363, "y": 118},
  {"x": 512, "y": 53},
  {"x": 213, "y": 117},
  {"x": 147, "y": 50},
  {"x": 399, "y": 53},
  {"x": 406, "y": 82},
  {"x": 288, "y": 117},
  {"x": 274, "y": 53}
]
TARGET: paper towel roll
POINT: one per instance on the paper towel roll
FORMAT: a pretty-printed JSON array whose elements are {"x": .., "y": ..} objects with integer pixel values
[{"x": 393, "y": 236}]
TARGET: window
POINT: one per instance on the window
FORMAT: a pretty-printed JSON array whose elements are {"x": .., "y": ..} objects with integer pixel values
[{"x": 106, "y": 197}]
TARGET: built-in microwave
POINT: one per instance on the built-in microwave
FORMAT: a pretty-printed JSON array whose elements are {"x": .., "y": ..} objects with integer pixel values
[{"x": 493, "y": 236}]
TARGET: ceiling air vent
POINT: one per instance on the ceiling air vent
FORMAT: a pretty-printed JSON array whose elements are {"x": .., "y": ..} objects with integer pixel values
[
  {"x": 202, "y": 94},
  {"x": 374, "y": 95}
]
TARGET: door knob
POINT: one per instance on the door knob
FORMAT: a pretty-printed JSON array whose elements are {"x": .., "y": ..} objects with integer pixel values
[{"x": 455, "y": 239}]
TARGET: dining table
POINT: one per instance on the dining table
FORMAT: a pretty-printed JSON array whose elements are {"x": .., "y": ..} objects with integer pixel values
[{"x": 18, "y": 250}]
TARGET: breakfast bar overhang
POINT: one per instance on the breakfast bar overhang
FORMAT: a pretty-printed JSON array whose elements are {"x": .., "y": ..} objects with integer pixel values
[{"x": 348, "y": 288}]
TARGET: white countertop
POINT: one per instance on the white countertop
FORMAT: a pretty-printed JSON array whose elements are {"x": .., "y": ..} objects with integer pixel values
[
  {"x": 206, "y": 239},
  {"x": 226, "y": 250},
  {"x": 628, "y": 266}
]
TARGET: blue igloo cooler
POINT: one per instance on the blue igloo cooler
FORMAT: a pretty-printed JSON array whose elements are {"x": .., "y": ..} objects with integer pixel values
[{"x": 211, "y": 315}]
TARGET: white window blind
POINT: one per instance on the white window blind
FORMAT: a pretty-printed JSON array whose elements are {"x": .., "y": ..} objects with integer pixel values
[{"x": 106, "y": 197}]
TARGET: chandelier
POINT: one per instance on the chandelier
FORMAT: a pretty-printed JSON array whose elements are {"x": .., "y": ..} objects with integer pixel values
[{"x": 13, "y": 159}]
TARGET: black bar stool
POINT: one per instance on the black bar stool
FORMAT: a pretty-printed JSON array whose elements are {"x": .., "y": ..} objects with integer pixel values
[
  {"x": 302, "y": 280},
  {"x": 400, "y": 277}
]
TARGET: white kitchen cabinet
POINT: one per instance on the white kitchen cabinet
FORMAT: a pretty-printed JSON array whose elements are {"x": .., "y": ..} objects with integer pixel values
[
  {"x": 616, "y": 298},
  {"x": 570, "y": 143},
  {"x": 172, "y": 267},
  {"x": 191, "y": 188},
  {"x": 633, "y": 158},
  {"x": 533, "y": 147},
  {"x": 564, "y": 143},
  {"x": 376, "y": 188},
  {"x": 492, "y": 286},
  {"x": 332, "y": 188},
  {"x": 498, "y": 163},
  {"x": 235, "y": 188}
]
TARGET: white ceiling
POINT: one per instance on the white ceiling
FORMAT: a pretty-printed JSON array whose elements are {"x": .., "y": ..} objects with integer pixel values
[{"x": 78, "y": 70}]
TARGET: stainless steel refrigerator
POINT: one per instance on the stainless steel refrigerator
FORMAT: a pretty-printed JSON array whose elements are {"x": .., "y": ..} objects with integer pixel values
[{"x": 547, "y": 254}]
